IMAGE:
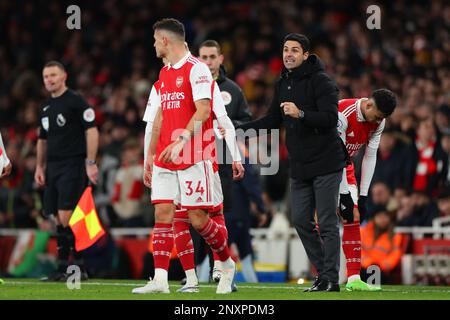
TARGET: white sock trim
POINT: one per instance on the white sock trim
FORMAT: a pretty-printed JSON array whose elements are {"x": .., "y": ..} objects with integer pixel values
[
  {"x": 353, "y": 278},
  {"x": 161, "y": 275},
  {"x": 191, "y": 277},
  {"x": 227, "y": 264}
]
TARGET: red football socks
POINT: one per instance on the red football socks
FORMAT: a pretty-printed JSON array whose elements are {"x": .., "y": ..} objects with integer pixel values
[
  {"x": 351, "y": 244},
  {"x": 162, "y": 245},
  {"x": 183, "y": 240},
  {"x": 213, "y": 236},
  {"x": 220, "y": 220}
]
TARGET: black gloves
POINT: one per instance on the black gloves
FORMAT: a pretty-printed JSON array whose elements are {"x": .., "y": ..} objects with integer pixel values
[
  {"x": 346, "y": 206},
  {"x": 362, "y": 206}
]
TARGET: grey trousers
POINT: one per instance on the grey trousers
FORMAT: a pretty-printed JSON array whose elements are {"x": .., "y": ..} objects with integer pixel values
[{"x": 322, "y": 246}]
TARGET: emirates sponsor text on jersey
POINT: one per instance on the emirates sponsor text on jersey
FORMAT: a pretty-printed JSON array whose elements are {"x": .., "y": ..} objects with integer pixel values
[
  {"x": 353, "y": 148},
  {"x": 171, "y": 100}
]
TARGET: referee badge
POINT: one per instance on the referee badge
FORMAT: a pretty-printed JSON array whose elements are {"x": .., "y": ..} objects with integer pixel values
[
  {"x": 45, "y": 123},
  {"x": 60, "y": 120},
  {"x": 89, "y": 115}
]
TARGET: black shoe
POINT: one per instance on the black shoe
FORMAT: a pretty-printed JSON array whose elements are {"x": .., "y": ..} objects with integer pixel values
[
  {"x": 326, "y": 286},
  {"x": 84, "y": 276},
  {"x": 56, "y": 276},
  {"x": 314, "y": 285},
  {"x": 59, "y": 276},
  {"x": 183, "y": 281}
]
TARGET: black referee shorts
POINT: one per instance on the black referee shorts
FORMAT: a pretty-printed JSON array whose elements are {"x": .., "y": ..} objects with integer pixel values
[{"x": 66, "y": 181}]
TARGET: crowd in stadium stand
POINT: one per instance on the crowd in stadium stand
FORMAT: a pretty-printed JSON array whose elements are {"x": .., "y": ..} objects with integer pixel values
[{"x": 111, "y": 62}]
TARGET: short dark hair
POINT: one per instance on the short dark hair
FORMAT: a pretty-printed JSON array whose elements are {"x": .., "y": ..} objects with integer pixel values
[
  {"x": 211, "y": 44},
  {"x": 172, "y": 25},
  {"x": 445, "y": 193},
  {"x": 385, "y": 101},
  {"x": 378, "y": 208},
  {"x": 300, "y": 38},
  {"x": 55, "y": 63}
]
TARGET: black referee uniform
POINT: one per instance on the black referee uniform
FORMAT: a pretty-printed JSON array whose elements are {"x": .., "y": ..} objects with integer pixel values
[{"x": 63, "y": 122}]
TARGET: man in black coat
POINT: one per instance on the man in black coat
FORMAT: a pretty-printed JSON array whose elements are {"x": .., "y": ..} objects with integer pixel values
[{"x": 305, "y": 102}]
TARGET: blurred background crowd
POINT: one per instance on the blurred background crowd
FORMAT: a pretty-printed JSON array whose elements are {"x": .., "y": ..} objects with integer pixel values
[{"x": 111, "y": 62}]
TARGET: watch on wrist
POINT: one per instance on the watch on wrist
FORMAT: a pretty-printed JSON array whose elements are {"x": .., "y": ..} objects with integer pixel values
[
  {"x": 301, "y": 114},
  {"x": 90, "y": 162}
]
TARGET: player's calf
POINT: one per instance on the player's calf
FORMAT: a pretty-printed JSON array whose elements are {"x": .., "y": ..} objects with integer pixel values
[{"x": 185, "y": 249}]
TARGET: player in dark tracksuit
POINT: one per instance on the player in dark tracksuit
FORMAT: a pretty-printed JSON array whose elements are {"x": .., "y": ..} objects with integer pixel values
[{"x": 238, "y": 220}]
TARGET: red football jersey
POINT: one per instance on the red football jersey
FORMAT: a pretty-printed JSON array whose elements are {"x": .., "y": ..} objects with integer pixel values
[
  {"x": 179, "y": 86},
  {"x": 355, "y": 131}
]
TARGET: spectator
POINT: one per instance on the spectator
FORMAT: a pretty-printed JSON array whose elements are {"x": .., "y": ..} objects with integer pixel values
[
  {"x": 380, "y": 195},
  {"x": 119, "y": 133},
  {"x": 442, "y": 118},
  {"x": 128, "y": 197},
  {"x": 445, "y": 144},
  {"x": 444, "y": 203},
  {"x": 112, "y": 136},
  {"x": 18, "y": 207},
  {"x": 390, "y": 160},
  {"x": 381, "y": 246},
  {"x": 426, "y": 167},
  {"x": 417, "y": 210}
]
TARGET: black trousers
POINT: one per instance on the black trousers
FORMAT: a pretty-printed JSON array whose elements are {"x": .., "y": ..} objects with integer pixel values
[{"x": 322, "y": 246}]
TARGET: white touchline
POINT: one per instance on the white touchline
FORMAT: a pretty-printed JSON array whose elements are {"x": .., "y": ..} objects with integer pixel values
[{"x": 118, "y": 284}]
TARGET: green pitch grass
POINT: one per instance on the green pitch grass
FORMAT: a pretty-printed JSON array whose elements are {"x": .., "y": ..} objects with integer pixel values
[{"x": 19, "y": 289}]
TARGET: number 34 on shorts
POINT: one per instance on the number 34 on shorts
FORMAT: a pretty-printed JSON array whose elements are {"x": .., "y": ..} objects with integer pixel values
[
  {"x": 197, "y": 186},
  {"x": 193, "y": 187},
  {"x": 198, "y": 189}
]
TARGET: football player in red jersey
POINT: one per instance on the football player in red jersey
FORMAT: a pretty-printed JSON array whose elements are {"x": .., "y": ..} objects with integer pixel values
[
  {"x": 361, "y": 122},
  {"x": 180, "y": 157}
]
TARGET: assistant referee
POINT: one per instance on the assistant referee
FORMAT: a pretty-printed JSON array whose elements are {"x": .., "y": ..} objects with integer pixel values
[{"x": 66, "y": 153}]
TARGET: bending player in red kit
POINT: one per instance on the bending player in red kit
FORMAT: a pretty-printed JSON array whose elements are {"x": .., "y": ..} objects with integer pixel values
[{"x": 361, "y": 122}]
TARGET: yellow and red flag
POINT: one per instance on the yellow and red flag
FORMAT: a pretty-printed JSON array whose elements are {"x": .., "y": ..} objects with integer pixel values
[{"x": 85, "y": 223}]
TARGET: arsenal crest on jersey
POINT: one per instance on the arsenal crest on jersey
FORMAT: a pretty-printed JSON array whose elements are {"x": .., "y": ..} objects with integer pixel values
[{"x": 179, "y": 81}]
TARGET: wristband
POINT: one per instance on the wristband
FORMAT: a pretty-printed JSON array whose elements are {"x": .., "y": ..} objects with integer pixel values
[
  {"x": 185, "y": 136},
  {"x": 90, "y": 162}
]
